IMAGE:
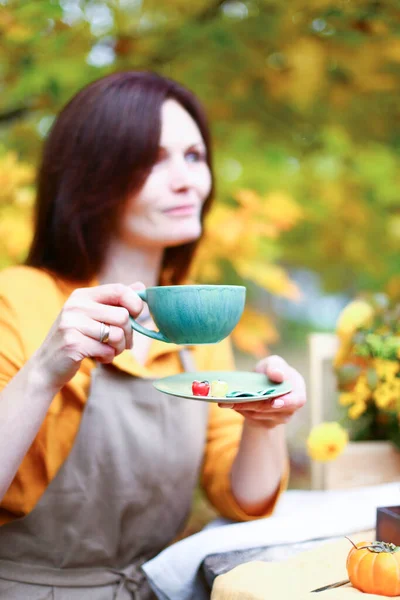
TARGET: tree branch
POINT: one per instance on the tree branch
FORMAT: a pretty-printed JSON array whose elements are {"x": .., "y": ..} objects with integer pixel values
[
  {"x": 163, "y": 57},
  {"x": 13, "y": 114},
  {"x": 210, "y": 12},
  {"x": 160, "y": 59}
]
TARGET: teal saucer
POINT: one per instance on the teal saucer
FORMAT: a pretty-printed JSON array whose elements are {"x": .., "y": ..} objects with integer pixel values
[{"x": 247, "y": 382}]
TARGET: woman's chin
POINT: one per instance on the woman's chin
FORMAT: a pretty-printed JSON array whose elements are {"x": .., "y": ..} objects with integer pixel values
[
  {"x": 170, "y": 237},
  {"x": 182, "y": 242},
  {"x": 185, "y": 238}
]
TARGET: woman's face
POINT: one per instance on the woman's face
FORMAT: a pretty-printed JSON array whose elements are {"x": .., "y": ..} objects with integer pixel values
[{"x": 166, "y": 211}]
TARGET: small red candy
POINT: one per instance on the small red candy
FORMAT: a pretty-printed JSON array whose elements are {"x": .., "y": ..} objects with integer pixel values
[{"x": 200, "y": 388}]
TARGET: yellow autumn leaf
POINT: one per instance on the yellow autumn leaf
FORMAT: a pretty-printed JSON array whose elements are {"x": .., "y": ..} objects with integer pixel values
[
  {"x": 225, "y": 226},
  {"x": 301, "y": 80},
  {"x": 254, "y": 332},
  {"x": 393, "y": 227},
  {"x": 393, "y": 287},
  {"x": 261, "y": 229},
  {"x": 282, "y": 209},
  {"x": 14, "y": 175},
  {"x": 205, "y": 268},
  {"x": 16, "y": 207},
  {"x": 365, "y": 66},
  {"x": 391, "y": 49},
  {"x": 334, "y": 195},
  {"x": 18, "y": 33},
  {"x": 249, "y": 199},
  {"x": 275, "y": 211},
  {"x": 15, "y": 235},
  {"x": 24, "y": 197},
  {"x": 268, "y": 276}
]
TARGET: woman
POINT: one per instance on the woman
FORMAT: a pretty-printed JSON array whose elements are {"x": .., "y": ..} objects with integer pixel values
[{"x": 98, "y": 468}]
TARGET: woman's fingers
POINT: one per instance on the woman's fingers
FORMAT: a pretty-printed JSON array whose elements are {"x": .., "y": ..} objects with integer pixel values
[
  {"x": 275, "y": 367},
  {"x": 270, "y": 416},
  {"x": 77, "y": 331},
  {"x": 115, "y": 294},
  {"x": 84, "y": 302},
  {"x": 274, "y": 411},
  {"x": 267, "y": 420},
  {"x": 287, "y": 402},
  {"x": 117, "y": 337},
  {"x": 81, "y": 346},
  {"x": 115, "y": 316},
  {"x": 89, "y": 321}
]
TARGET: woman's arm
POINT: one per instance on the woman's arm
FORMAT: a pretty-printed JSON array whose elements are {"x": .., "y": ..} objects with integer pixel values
[
  {"x": 262, "y": 457},
  {"x": 74, "y": 336},
  {"x": 23, "y": 406},
  {"x": 245, "y": 465},
  {"x": 260, "y": 464},
  {"x": 226, "y": 443}
]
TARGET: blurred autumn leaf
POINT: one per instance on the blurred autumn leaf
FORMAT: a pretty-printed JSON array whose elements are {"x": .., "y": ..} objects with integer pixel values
[
  {"x": 303, "y": 98},
  {"x": 254, "y": 332},
  {"x": 16, "y": 201}
]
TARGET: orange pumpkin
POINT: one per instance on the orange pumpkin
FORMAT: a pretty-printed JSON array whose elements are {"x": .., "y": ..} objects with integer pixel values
[{"x": 374, "y": 568}]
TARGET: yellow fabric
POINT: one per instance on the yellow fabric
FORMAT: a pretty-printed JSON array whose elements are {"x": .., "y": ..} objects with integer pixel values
[
  {"x": 30, "y": 301},
  {"x": 294, "y": 578}
]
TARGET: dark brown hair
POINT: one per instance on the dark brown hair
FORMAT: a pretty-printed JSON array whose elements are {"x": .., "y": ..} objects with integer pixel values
[{"x": 99, "y": 151}]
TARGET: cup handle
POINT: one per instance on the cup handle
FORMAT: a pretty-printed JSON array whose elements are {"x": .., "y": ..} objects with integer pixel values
[{"x": 156, "y": 335}]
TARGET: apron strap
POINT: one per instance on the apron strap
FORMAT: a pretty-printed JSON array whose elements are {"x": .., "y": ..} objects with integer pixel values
[{"x": 131, "y": 579}]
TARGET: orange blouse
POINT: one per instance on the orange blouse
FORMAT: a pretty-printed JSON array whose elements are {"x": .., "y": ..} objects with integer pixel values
[{"x": 30, "y": 300}]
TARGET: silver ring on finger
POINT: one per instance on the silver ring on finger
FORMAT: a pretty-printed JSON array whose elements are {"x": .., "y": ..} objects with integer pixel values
[{"x": 104, "y": 333}]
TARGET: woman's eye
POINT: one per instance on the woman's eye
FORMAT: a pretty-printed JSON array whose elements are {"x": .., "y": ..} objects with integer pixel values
[{"x": 195, "y": 156}]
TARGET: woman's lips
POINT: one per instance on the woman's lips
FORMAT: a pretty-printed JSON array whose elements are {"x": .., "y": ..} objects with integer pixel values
[{"x": 181, "y": 211}]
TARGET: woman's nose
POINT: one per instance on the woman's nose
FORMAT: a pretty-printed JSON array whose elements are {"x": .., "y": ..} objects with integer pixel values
[{"x": 179, "y": 174}]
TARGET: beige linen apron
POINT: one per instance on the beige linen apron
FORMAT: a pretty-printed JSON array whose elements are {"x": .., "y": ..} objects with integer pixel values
[{"x": 121, "y": 496}]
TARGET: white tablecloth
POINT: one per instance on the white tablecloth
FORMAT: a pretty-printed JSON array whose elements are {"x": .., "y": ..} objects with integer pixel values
[{"x": 299, "y": 516}]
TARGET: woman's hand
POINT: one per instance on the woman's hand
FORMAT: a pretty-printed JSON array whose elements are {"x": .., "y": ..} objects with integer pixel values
[
  {"x": 270, "y": 413},
  {"x": 76, "y": 333}
]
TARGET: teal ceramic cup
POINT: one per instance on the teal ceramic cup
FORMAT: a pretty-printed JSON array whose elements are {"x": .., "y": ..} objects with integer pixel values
[{"x": 192, "y": 314}]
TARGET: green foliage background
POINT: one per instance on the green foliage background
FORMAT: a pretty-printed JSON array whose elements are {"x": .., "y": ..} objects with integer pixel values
[{"x": 303, "y": 97}]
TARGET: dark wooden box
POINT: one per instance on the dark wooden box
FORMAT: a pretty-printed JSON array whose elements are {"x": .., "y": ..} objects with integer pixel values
[{"x": 388, "y": 524}]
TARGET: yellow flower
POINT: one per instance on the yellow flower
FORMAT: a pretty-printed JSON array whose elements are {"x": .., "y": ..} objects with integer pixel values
[
  {"x": 386, "y": 369},
  {"x": 326, "y": 441},
  {"x": 382, "y": 398},
  {"x": 357, "y": 410},
  {"x": 346, "y": 398},
  {"x": 356, "y": 314},
  {"x": 395, "y": 386},
  {"x": 342, "y": 353},
  {"x": 387, "y": 395},
  {"x": 362, "y": 390}
]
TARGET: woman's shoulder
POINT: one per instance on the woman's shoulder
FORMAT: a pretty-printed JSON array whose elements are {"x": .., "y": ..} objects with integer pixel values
[
  {"x": 22, "y": 285},
  {"x": 29, "y": 301},
  {"x": 18, "y": 277}
]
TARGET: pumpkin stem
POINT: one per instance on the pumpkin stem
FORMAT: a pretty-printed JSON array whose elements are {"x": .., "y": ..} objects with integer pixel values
[
  {"x": 351, "y": 542},
  {"x": 378, "y": 547}
]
